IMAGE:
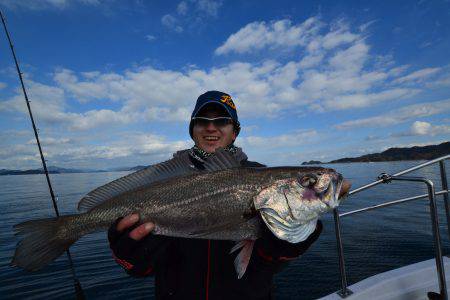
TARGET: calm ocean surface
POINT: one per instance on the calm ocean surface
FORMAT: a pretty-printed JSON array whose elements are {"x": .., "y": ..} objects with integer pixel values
[{"x": 374, "y": 242}]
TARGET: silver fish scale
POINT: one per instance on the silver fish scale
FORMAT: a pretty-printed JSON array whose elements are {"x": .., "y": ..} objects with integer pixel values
[
  {"x": 207, "y": 205},
  {"x": 215, "y": 202}
]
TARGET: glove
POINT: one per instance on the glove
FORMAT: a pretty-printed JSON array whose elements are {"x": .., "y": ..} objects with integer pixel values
[{"x": 136, "y": 257}]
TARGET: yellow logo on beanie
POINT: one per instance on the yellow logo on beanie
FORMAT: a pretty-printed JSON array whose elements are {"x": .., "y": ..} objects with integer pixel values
[{"x": 228, "y": 101}]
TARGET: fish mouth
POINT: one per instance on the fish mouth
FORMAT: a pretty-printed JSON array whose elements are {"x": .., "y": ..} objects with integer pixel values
[{"x": 336, "y": 190}]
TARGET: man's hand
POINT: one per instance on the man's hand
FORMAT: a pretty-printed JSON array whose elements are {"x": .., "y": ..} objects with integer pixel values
[
  {"x": 137, "y": 233},
  {"x": 133, "y": 246}
]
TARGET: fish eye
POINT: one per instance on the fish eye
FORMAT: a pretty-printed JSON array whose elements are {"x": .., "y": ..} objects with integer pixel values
[{"x": 308, "y": 180}]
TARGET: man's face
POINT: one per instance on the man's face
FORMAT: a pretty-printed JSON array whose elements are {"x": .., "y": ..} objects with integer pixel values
[{"x": 210, "y": 137}]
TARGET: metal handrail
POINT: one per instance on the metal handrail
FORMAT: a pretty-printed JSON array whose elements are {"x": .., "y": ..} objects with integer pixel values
[
  {"x": 365, "y": 187},
  {"x": 344, "y": 292},
  {"x": 390, "y": 203},
  {"x": 436, "y": 234}
]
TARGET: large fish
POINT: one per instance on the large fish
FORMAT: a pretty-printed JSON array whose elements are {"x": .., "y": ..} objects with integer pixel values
[{"x": 225, "y": 202}]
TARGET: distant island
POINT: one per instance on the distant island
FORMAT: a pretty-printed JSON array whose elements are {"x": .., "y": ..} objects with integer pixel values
[
  {"x": 57, "y": 170},
  {"x": 312, "y": 162},
  {"x": 395, "y": 154},
  {"x": 23, "y": 172}
]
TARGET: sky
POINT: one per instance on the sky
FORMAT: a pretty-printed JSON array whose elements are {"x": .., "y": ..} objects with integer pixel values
[{"x": 113, "y": 83}]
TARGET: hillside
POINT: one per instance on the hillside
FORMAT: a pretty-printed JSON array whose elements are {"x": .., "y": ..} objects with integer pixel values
[{"x": 395, "y": 154}]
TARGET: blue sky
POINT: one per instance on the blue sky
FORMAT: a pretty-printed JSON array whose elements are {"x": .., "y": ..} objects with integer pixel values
[{"x": 113, "y": 83}]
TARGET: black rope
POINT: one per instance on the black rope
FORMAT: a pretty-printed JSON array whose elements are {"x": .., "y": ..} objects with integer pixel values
[{"x": 77, "y": 285}]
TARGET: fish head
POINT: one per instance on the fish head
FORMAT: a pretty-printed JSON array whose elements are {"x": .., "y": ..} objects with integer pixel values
[{"x": 290, "y": 207}]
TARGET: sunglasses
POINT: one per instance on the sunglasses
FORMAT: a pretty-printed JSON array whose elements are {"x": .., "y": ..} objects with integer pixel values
[{"x": 217, "y": 122}]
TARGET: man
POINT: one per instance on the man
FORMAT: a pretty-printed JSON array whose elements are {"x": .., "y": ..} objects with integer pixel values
[{"x": 200, "y": 268}]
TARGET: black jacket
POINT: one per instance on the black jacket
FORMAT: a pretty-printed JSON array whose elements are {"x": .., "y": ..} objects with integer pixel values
[{"x": 203, "y": 269}]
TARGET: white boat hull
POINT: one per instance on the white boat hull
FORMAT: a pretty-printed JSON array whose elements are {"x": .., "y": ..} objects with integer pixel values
[{"x": 406, "y": 283}]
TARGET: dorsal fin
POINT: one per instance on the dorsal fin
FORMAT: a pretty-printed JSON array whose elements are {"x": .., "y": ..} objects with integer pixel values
[{"x": 177, "y": 166}]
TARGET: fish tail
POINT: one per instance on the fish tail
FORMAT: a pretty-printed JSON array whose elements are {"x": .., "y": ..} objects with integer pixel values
[{"x": 43, "y": 241}]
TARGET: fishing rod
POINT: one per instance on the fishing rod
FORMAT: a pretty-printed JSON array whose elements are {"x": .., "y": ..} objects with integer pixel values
[{"x": 78, "y": 290}]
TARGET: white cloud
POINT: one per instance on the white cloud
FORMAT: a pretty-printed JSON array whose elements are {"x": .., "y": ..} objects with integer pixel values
[
  {"x": 367, "y": 25},
  {"x": 364, "y": 100},
  {"x": 150, "y": 37},
  {"x": 49, "y": 106},
  {"x": 210, "y": 7},
  {"x": 243, "y": 81},
  {"x": 351, "y": 59},
  {"x": 265, "y": 89},
  {"x": 17, "y": 152},
  {"x": 137, "y": 144},
  {"x": 283, "y": 34},
  {"x": 340, "y": 36},
  {"x": 347, "y": 88},
  {"x": 399, "y": 115},
  {"x": 417, "y": 75},
  {"x": 260, "y": 35},
  {"x": 283, "y": 141},
  {"x": 96, "y": 118},
  {"x": 44, "y": 100},
  {"x": 443, "y": 81},
  {"x": 249, "y": 129},
  {"x": 10, "y": 134},
  {"x": 172, "y": 23},
  {"x": 336, "y": 71},
  {"x": 189, "y": 15},
  {"x": 82, "y": 90},
  {"x": 397, "y": 71},
  {"x": 199, "y": 8},
  {"x": 132, "y": 149},
  {"x": 420, "y": 128},
  {"x": 414, "y": 144},
  {"x": 312, "y": 60},
  {"x": 51, "y": 141},
  {"x": 175, "y": 114},
  {"x": 182, "y": 8},
  {"x": 440, "y": 80},
  {"x": 90, "y": 75}
]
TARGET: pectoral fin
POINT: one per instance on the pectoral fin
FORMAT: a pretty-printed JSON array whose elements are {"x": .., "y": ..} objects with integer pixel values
[{"x": 243, "y": 258}]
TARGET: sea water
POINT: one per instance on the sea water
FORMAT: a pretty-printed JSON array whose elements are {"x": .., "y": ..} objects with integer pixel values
[{"x": 374, "y": 241}]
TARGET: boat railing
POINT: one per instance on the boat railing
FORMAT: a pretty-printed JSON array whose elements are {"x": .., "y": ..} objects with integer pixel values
[{"x": 386, "y": 178}]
